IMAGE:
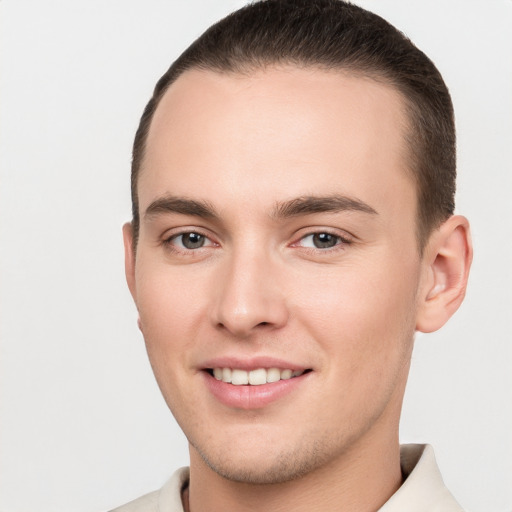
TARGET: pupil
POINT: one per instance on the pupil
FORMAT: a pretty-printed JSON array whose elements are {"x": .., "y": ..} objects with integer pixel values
[
  {"x": 324, "y": 240},
  {"x": 193, "y": 240}
]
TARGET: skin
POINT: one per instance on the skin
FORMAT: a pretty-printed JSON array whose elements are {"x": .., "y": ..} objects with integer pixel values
[{"x": 243, "y": 146}]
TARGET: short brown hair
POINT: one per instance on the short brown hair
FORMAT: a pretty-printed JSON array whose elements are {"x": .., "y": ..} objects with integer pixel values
[{"x": 332, "y": 34}]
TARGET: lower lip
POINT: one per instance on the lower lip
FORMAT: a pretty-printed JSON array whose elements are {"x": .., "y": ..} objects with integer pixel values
[{"x": 252, "y": 397}]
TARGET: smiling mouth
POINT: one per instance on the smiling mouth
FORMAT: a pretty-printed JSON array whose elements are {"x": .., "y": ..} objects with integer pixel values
[{"x": 257, "y": 377}]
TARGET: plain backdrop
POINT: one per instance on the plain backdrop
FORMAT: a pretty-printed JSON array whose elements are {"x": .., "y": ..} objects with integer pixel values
[{"x": 82, "y": 424}]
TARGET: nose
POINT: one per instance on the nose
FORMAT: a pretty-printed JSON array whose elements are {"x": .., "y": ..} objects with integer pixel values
[{"x": 249, "y": 297}]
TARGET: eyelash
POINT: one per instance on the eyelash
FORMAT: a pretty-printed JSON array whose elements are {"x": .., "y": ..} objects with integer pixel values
[
  {"x": 341, "y": 242},
  {"x": 168, "y": 242}
]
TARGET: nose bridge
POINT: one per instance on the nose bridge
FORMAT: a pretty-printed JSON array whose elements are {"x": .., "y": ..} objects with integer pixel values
[{"x": 248, "y": 294}]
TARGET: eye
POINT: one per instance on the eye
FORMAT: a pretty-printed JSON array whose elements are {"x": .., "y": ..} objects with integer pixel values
[
  {"x": 321, "y": 240},
  {"x": 189, "y": 241}
]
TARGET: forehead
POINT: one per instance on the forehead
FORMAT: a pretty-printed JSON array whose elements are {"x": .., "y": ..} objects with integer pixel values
[{"x": 307, "y": 125}]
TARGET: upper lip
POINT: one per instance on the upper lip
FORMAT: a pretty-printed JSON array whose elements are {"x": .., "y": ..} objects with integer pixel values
[{"x": 252, "y": 363}]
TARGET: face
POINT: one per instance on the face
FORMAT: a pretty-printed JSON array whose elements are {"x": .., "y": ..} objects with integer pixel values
[{"x": 277, "y": 267}]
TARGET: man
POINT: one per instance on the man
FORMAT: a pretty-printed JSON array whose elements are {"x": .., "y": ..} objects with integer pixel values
[{"x": 293, "y": 183}]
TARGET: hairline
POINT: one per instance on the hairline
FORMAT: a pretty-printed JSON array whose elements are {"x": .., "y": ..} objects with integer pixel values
[{"x": 248, "y": 68}]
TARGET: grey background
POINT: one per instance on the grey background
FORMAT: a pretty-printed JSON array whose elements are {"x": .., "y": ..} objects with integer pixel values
[{"x": 82, "y": 423}]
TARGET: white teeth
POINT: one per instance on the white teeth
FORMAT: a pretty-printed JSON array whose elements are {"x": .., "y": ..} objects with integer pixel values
[
  {"x": 286, "y": 374},
  {"x": 273, "y": 374},
  {"x": 254, "y": 377},
  {"x": 226, "y": 374},
  {"x": 239, "y": 377},
  {"x": 258, "y": 377}
]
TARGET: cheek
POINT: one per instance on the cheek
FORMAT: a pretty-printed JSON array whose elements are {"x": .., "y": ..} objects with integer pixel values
[
  {"x": 364, "y": 325},
  {"x": 168, "y": 300},
  {"x": 362, "y": 315},
  {"x": 166, "y": 307},
  {"x": 170, "y": 311}
]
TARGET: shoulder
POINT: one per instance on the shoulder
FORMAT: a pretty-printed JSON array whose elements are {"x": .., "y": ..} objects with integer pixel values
[{"x": 167, "y": 498}]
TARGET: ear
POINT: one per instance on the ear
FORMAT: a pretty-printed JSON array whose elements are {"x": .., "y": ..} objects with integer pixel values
[
  {"x": 129, "y": 258},
  {"x": 447, "y": 259}
]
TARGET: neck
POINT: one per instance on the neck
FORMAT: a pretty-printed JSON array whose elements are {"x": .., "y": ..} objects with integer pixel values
[{"x": 361, "y": 480}]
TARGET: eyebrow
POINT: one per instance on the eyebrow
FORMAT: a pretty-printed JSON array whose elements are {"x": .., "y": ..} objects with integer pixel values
[
  {"x": 308, "y": 205},
  {"x": 305, "y": 205},
  {"x": 181, "y": 205}
]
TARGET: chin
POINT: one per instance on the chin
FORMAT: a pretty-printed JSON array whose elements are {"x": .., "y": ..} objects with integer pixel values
[
  {"x": 264, "y": 466},
  {"x": 274, "y": 471}
]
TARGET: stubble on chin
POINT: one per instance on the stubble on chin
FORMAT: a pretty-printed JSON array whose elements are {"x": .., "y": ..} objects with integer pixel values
[{"x": 272, "y": 465}]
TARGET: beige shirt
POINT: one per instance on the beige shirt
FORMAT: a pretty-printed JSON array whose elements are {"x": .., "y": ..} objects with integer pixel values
[{"x": 422, "y": 491}]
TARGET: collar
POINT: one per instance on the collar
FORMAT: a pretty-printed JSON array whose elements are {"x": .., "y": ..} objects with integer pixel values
[{"x": 422, "y": 491}]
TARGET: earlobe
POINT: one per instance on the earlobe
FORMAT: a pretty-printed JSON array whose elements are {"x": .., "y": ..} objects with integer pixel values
[
  {"x": 129, "y": 258},
  {"x": 447, "y": 257}
]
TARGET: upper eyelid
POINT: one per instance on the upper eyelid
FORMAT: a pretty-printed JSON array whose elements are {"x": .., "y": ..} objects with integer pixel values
[
  {"x": 335, "y": 235},
  {"x": 175, "y": 232},
  {"x": 309, "y": 231},
  {"x": 170, "y": 235},
  {"x": 344, "y": 236},
  {"x": 177, "y": 235},
  {"x": 341, "y": 241}
]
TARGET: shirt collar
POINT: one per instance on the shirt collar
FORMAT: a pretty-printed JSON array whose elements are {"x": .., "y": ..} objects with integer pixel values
[{"x": 422, "y": 491}]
